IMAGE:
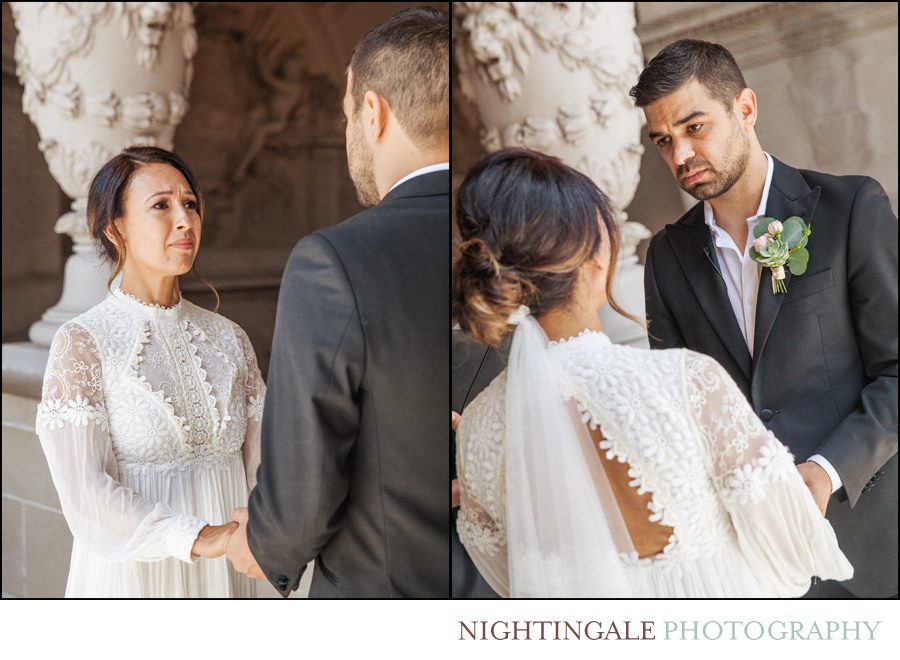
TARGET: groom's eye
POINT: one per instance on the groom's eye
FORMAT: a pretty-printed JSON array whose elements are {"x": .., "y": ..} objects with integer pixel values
[
  {"x": 662, "y": 142},
  {"x": 693, "y": 128}
]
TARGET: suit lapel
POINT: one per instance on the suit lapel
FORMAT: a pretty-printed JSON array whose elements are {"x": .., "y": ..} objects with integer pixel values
[
  {"x": 696, "y": 255},
  {"x": 788, "y": 195}
]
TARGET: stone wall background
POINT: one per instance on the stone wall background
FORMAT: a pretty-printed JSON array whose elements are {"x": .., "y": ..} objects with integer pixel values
[
  {"x": 265, "y": 138},
  {"x": 825, "y": 75}
]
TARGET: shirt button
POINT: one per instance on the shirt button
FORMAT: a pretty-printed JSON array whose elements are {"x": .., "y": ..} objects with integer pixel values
[{"x": 750, "y": 301}]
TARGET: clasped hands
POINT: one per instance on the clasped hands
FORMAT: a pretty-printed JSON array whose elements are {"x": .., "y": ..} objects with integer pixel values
[{"x": 230, "y": 540}]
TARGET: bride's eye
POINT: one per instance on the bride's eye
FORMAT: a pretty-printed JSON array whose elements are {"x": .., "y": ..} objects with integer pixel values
[
  {"x": 164, "y": 206},
  {"x": 190, "y": 204}
]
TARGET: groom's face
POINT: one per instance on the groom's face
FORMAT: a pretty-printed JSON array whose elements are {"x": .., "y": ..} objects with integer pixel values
[{"x": 703, "y": 143}]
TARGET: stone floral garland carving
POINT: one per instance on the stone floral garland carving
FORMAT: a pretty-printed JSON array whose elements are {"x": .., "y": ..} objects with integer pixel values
[
  {"x": 571, "y": 124},
  {"x": 45, "y": 78}
]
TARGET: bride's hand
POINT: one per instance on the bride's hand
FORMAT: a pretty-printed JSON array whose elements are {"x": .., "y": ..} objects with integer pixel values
[{"x": 212, "y": 540}]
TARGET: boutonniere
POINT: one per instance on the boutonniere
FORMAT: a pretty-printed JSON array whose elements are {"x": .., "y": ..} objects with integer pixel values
[{"x": 777, "y": 245}]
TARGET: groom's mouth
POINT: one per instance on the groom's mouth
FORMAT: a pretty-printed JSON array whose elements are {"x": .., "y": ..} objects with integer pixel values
[{"x": 692, "y": 177}]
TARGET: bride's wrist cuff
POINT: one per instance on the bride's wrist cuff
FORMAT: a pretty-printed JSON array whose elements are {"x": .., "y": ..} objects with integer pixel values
[{"x": 183, "y": 531}]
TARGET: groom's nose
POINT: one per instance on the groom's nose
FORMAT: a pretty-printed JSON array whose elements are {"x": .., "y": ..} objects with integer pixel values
[{"x": 683, "y": 150}]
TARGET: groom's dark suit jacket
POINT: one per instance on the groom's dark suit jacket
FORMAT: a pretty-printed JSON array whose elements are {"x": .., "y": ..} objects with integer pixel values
[
  {"x": 823, "y": 376},
  {"x": 354, "y": 468}
]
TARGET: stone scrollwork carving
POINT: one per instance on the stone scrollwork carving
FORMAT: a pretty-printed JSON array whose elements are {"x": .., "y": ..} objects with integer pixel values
[{"x": 142, "y": 51}]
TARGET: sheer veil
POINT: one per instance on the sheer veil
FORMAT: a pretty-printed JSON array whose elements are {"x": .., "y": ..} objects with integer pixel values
[{"x": 564, "y": 528}]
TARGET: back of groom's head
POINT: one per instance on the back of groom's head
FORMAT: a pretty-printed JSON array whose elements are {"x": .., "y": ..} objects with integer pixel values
[
  {"x": 679, "y": 62},
  {"x": 406, "y": 60}
]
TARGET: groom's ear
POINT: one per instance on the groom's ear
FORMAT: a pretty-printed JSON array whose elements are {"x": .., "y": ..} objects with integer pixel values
[
  {"x": 745, "y": 107},
  {"x": 377, "y": 114}
]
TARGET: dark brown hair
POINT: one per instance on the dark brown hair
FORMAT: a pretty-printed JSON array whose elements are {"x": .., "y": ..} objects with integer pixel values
[
  {"x": 106, "y": 200},
  {"x": 528, "y": 222},
  {"x": 679, "y": 62},
  {"x": 406, "y": 60}
]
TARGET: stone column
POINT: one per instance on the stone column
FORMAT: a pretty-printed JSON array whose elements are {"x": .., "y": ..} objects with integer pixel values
[
  {"x": 554, "y": 77},
  {"x": 98, "y": 77}
]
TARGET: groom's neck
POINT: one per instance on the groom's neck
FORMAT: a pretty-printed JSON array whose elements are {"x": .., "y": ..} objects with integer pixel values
[{"x": 732, "y": 209}]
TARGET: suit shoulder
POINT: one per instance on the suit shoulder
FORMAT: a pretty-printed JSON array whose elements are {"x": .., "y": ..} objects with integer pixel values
[
  {"x": 841, "y": 186},
  {"x": 686, "y": 217}
]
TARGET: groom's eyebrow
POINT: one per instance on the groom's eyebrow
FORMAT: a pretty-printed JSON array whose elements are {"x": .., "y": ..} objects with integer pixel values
[{"x": 680, "y": 122}]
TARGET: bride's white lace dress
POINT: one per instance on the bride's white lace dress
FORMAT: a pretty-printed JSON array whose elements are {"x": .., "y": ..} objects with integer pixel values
[
  {"x": 744, "y": 522},
  {"x": 150, "y": 421}
]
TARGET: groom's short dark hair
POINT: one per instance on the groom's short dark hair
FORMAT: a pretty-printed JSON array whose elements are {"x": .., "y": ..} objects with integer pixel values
[
  {"x": 676, "y": 64},
  {"x": 406, "y": 59}
]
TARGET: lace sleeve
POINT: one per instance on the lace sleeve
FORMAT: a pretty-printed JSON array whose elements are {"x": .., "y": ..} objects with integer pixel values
[
  {"x": 479, "y": 466},
  {"x": 779, "y": 528},
  {"x": 255, "y": 397},
  {"x": 104, "y": 516},
  {"x": 744, "y": 455}
]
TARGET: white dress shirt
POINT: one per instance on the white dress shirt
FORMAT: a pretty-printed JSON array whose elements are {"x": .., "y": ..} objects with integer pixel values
[
  {"x": 741, "y": 275},
  {"x": 437, "y": 167}
]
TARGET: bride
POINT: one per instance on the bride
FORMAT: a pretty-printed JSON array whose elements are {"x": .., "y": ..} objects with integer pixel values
[
  {"x": 591, "y": 469},
  {"x": 151, "y": 406}
]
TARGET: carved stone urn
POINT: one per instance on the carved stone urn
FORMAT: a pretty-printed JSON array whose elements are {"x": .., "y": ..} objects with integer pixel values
[
  {"x": 554, "y": 77},
  {"x": 98, "y": 77}
]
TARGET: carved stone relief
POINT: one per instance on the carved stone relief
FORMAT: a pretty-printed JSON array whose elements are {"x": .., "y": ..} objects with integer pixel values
[
  {"x": 554, "y": 77},
  {"x": 84, "y": 68}
]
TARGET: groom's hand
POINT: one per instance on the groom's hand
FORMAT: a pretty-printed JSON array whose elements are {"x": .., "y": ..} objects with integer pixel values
[
  {"x": 817, "y": 480},
  {"x": 238, "y": 551}
]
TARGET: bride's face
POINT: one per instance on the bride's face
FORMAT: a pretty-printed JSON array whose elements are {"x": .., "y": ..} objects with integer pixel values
[{"x": 161, "y": 224}]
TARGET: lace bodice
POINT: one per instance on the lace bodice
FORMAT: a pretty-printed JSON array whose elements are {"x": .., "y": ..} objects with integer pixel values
[
  {"x": 677, "y": 419},
  {"x": 173, "y": 385},
  {"x": 145, "y": 414}
]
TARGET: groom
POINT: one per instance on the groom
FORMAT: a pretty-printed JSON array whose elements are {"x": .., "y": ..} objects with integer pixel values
[
  {"x": 354, "y": 464},
  {"x": 817, "y": 363}
]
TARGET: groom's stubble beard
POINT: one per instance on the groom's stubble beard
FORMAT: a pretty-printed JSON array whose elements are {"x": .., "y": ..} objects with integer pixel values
[
  {"x": 734, "y": 163},
  {"x": 361, "y": 165}
]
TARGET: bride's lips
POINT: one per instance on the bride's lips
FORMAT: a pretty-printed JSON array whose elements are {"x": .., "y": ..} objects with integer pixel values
[
  {"x": 183, "y": 245},
  {"x": 693, "y": 178}
]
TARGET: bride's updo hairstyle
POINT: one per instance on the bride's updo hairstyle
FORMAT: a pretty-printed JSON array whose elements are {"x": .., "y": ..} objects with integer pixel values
[
  {"x": 106, "y": 201},
  {"x": 527, "y": 224}
]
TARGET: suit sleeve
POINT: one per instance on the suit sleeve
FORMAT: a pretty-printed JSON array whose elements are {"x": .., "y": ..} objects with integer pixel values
[
  {"x": 867, "y": 438},
  {"x": 311, "y": 415},
  {"x": 663, "y": 331}
]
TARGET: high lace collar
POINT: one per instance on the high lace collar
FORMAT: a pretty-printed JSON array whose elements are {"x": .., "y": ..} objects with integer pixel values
[
  {"x": 148, "y": 311},
  {"x": 594, "y": 336}
]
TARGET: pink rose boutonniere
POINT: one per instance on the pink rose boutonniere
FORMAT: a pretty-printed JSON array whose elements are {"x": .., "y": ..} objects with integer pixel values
[{"x": 777, "y": 245}]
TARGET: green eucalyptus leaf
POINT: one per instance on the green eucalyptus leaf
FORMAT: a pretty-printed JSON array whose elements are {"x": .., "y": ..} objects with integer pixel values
[
  {"x": 761, "y": 227},
  {"x": 793, "y": 231},
  {"x": 796, "y": 218},
  {"x": 753, "y": 253},
  {"x": 798, "y": 261}
]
